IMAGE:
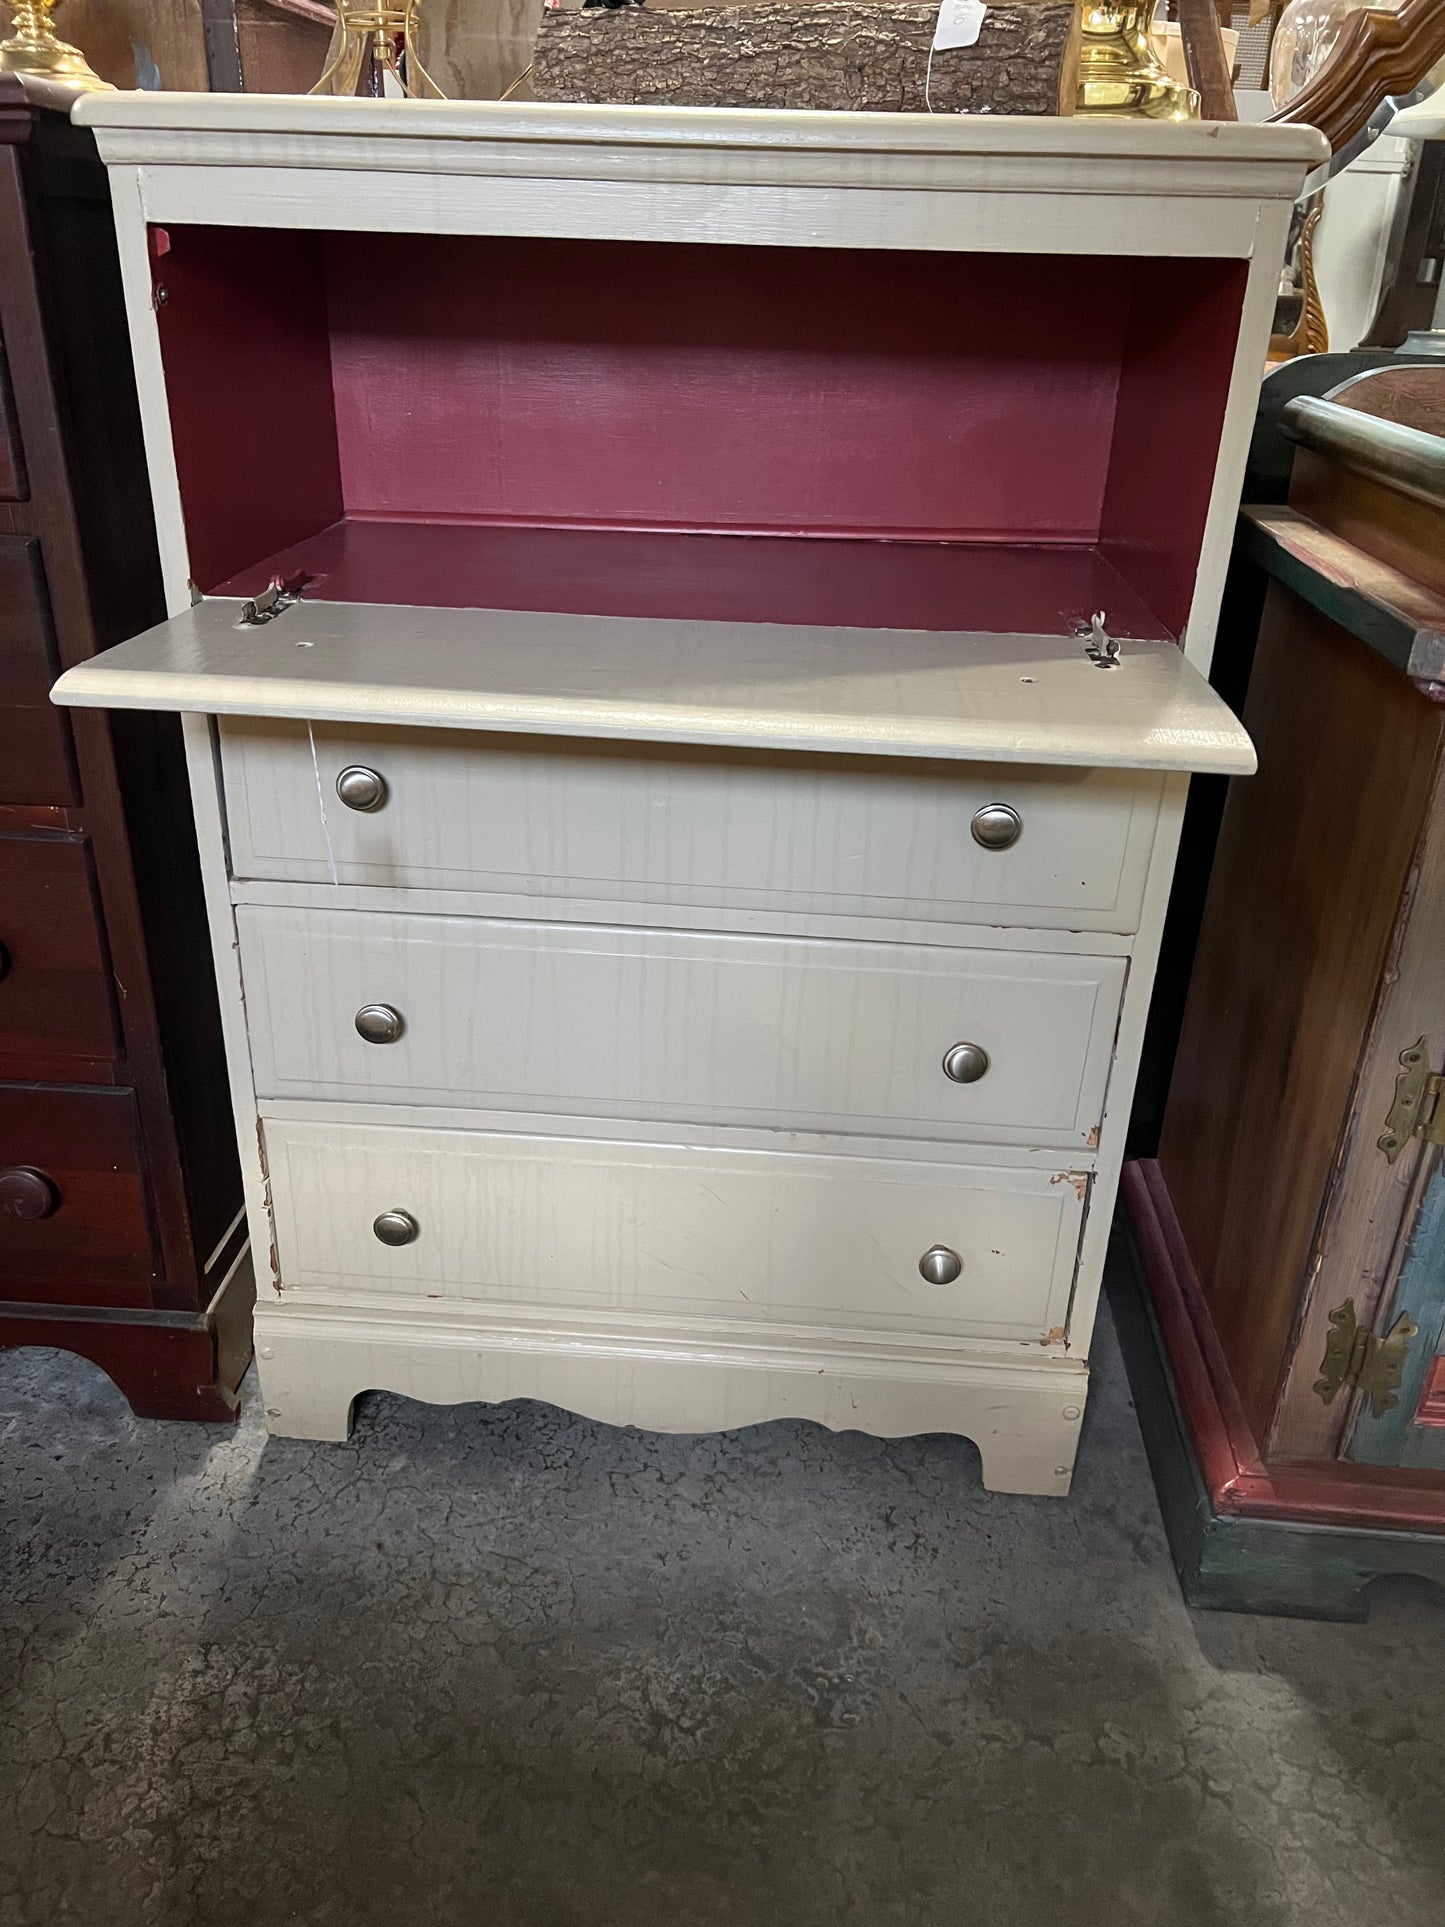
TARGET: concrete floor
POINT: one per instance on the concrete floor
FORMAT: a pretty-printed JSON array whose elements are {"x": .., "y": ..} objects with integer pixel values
[{"x": 499, "y": 1667}]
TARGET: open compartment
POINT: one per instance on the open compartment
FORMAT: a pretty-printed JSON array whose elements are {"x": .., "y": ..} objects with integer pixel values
[{"x": 870, "y": 438}]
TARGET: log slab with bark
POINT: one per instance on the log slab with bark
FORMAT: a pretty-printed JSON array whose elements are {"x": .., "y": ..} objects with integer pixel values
[{"x": 868, "y": 56}]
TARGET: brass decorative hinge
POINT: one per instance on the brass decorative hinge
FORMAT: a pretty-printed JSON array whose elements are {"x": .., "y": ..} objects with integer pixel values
[
  {"x": 1356, "y": 1359},
  {"x": 1417, "y": 1110}
]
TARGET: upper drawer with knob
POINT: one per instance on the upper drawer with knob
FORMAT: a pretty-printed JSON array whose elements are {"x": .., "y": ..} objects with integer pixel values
[
  {"x": 902, "y": 1040},
  {"x": 55, "y": 996},
  {"x": 603, "y": 829}
]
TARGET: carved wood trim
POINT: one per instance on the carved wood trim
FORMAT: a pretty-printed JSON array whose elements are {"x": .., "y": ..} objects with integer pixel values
[
  {"x": 1377, "y": 54},
  {"x": 1311, "y": 335}
]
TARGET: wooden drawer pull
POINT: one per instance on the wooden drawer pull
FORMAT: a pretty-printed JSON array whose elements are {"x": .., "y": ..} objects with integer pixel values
[{"x": 27, "y": 1193}]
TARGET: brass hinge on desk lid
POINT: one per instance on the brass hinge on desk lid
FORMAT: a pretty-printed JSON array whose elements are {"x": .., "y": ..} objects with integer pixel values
[
  {"x": 1356, "y": 1358},
  {"x": 1419, "y": 1106}
]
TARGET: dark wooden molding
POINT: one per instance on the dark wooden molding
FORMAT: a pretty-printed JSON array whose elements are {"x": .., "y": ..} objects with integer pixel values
[{"x": 1378, "y": 55}]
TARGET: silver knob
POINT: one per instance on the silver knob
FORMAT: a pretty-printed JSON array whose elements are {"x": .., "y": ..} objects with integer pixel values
[
  {"x": 965, "y": 1063},
  {"x": 938, "y": 1265},
  {"x": 361, "y": 788},
  {"x": 379, "y": 1023},
  {"x": 397, "y": 1227},
  {"x": 996, "y": 826}
]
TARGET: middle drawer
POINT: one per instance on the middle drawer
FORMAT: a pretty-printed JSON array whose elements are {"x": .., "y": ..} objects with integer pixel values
[{"x": 768, "y": 1032}]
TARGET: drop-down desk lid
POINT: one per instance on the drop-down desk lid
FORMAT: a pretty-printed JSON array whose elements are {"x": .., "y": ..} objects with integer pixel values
[{"x": 878, "y": 692}]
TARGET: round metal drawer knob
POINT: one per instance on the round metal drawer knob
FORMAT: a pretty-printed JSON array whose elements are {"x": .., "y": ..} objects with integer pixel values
[
  {"x": 27, "y": 1193},
  {"x": 996, "y": 826},
  {"x": 379, "y": 1023},
  {"x": 966, "y": 1063},
  {"x": 361, "y": 788},
  {"x": 395, "y": 1227},
  {"x": 939, "y": 1265}
]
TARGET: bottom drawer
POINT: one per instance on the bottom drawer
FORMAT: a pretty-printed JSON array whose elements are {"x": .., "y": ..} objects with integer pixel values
[
  {"x": 759, "y": 1236},
  {"x": 75, "y": 1224}
]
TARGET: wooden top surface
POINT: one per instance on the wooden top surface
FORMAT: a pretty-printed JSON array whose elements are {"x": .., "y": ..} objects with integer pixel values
[
  {"x": 716, "y": 126},
  {"x": 888, "y": 692}
]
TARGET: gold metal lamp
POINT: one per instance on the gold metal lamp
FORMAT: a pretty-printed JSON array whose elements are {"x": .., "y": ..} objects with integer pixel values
[
  {"x": 34, "y": 47},
  {"x": 1119, "y": 72},
  {"x": 372, "y": 41}
]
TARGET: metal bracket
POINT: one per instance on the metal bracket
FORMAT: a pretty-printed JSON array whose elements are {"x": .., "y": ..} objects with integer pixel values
[
  {"x": 1100, "y": 647},
  {"x": 1355, "y": 1357},
  {"x": 272, "y": 602},
  {"x": 1417, "y": 1111}
]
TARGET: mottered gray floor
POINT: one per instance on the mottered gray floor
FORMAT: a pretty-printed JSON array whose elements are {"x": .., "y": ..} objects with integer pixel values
[{"x": 500, "y": 1666}]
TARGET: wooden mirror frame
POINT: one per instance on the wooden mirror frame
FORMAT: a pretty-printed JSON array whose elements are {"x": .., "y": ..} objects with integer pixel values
[{"x": 1377, "y": 55}]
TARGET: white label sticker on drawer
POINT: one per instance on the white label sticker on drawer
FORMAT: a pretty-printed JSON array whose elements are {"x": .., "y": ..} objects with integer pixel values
[{"x": 959, "y": 23}]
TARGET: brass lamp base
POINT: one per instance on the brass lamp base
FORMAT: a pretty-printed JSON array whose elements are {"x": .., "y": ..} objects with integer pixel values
[
  {"x": 1119, "y": 72},
  {"x": 35, "y": 48}
]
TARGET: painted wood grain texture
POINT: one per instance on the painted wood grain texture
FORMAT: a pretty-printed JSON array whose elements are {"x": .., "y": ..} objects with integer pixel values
[
  {"x": 1312, "y": 860},
  {"x": 867, "y": 56},
  {"x": 1021, "y": 588},
  {"x": 792, "y": 389},
  {"x": 1024, "y": 699},
  {"x": 942, "y": 183},
  {"x": 1167, "y": 431},
  {"x": 1024, "y": 1420},
  {"x": 1373, "y": 1205},
  {"x": 1256, "y": 160},
  {"x": 679, "y": 1026},
  {"x": 706, "y": 829},
  {"x": 627, "y": 1230},
  {"x": 233, "y": 369},
  {"x": 1409, "y": 1434},
  {"x": 1392, "y": 611},
  {"x": 757, "y": 388}
]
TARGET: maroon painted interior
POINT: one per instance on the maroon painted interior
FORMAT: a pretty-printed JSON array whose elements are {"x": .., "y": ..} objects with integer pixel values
[{"x": 930, "y": 440}]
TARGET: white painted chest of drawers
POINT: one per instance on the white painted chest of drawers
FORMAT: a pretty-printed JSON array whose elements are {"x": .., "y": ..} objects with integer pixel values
[{"x": 685, "y": 891}]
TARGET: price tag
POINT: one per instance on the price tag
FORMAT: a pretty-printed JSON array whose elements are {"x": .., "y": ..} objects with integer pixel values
[{"x": 959, "y": 23}]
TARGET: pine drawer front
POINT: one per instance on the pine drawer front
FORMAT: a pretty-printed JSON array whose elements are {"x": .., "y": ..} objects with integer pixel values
[
  {"x": 660, "y": 1231},
  {"x": 605, "y": 823},
  {"x": 672, "y": 1027}
]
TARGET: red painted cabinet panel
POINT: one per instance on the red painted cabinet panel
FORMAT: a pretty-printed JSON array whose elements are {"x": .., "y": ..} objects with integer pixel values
[
  {"x": 54, "y": 985},
  {"x": 35, "y": 763}
]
